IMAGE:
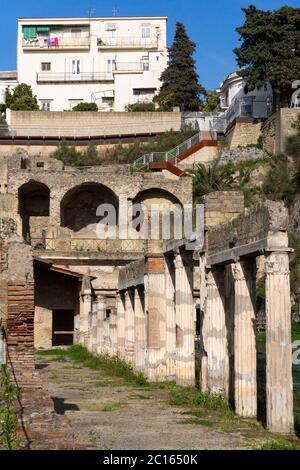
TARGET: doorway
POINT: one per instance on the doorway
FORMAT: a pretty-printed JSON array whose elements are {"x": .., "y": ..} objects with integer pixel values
[{"x": 62, "y": 327}]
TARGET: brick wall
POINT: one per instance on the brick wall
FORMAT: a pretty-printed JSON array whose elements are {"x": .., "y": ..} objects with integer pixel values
[{"x": 20, "y": 326}]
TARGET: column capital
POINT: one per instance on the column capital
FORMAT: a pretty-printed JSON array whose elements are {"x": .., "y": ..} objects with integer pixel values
[{"x": 277, "y": 263}]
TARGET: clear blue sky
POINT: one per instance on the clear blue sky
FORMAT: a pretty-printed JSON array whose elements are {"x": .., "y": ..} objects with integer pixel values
[{"x": 210, "y": 23}]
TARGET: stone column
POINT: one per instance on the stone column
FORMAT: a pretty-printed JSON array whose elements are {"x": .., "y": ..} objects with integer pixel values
[
  {"x": 156, "y": 319},
  {"x": 85, "y": 311},
  {"x": 129, "y": 326},
  {"x": 185, "y": 320},
  {"x": 113, "y": 332},
  {"x": 245, "y": 384},
  {"x": 170, "y": 319},
  {"x": 215, "y": 334},
  {"x": 120, "y": 301},
  {"x": 140, "y": 329},
  {"x": 279, "y": 386},
  {"x": 100, "y": 315}
]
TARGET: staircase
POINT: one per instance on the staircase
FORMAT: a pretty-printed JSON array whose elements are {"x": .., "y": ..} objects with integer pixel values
[{"x": 170, "y": 159}]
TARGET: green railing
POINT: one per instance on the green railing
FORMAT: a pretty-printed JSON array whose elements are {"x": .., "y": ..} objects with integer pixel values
[{"x": 171, "y": 155}]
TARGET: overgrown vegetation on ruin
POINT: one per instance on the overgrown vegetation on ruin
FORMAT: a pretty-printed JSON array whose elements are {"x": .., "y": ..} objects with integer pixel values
[
  {"x": 8, "y": 414},
  {"x": 120, "y": 154},
  {"x": 110, "y": 365}
]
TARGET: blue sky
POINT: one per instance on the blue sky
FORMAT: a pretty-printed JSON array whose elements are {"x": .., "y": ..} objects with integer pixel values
[{"x": 210, "y": 23}]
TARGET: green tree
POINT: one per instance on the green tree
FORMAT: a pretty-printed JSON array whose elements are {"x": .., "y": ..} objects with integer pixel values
[
  {"x": 270, "y": 50},
  {"x": 21, "y": 98},
  {"x": 212, "y": 102},
  {"x": 180, "y": 85}
]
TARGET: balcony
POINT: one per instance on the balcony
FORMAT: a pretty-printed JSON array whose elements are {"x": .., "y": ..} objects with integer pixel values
[
  {"x": 56, "y": 44},
  {"x": 53, "y": 77},
  {"x": 131, "y": 67},
  {"x": 127, "y": 43}
]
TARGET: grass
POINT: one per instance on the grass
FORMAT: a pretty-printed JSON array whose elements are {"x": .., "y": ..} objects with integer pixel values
[
  {"x": 112, "y": 366},
  {"x": 279, "y": 444},
  {"x": 113, "y": 406}
]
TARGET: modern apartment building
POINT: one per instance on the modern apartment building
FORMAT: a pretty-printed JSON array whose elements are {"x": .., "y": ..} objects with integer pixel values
[{"x": 110, "y": 61}]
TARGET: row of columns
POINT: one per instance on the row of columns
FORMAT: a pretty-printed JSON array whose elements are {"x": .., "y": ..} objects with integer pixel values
[
  {"x": 229, "y": 338},
  {"x": 153, "y": 325}
]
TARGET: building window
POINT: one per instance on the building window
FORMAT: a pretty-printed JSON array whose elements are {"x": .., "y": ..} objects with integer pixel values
[
  {"x": 146, "y": 30},
  {"x": 107, "y": 313},
  {"x": 46, "y": 66},
  {"x": 45, "y": 105},
  {"x": 76, "y": 67},
  {"x": 40, "y": 164},
  {"x": 111, "y": 32}
]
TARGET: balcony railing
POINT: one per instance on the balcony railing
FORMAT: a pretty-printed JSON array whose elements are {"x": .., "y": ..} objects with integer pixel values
[
  {"x": 131, "y": 67},
  {"x": 128, "y": 42},
  {"x": 70, "y": 77},
  {"x": 57, "y": 43}
]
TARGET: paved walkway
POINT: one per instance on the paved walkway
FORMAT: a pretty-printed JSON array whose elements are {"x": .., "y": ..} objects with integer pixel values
[{"x": 108, "y": 414}]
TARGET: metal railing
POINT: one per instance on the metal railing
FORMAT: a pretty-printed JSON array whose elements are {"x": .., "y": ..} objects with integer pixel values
[
  {"x": 70, "y": 77},
  {"x": 86, "y": 244},
  {"x": 60, "y": 43},
  {"x": 131, "y": 66},
  {"x": 127, "y": 42},
  {"x": 171, "y": 155}
]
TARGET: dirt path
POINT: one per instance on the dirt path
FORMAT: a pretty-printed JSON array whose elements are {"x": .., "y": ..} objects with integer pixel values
[{"x": 106, "y": 413}]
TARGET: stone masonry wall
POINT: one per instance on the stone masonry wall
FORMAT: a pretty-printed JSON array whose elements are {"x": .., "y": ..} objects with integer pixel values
[
  {"x": 91, "y": 123},
  {"x": 255, "y": 224},
  {"x": 222, "y": 206},
  {"x": 243, "y": 133}
]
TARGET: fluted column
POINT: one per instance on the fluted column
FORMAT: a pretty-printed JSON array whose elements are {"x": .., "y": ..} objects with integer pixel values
[
  {"x": 170, "y": 319},
  {"x": 140, "y": 328},
  {"x": 120, "y": 301},
  {"x": 156, "y": 319},
  {"x": 129, "y": 326},
  {"x": 101, "y": 304},
  {"x": 215, "y": 334},
  {"x": 279, "y": 348},
  {"x": 185, "y": 320},
  {"x": 245, "y": 383}
]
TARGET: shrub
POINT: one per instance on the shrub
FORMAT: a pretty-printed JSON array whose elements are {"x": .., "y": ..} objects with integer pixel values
[
  {"x": 70, "y": 156},
  {"x": 293, "y": 141},
  {"x": 140, "y": 107},
  {"x": 85, "y": 107},
  {"x": 279, "y": 183}
]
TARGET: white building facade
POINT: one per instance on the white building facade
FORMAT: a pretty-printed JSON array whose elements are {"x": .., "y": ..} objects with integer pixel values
[
  {"x": 110, "y": 61},
  {"x": 235, "y": 102},
  {"x": 8, "y": 79}
]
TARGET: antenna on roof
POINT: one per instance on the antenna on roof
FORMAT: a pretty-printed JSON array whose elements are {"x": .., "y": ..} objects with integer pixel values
[
  {"x": 91, "y": 11},
  {"x": 114, "y": 10}
]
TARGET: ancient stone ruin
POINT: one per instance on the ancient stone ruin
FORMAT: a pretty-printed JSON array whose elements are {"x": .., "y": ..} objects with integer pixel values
[{"x": 143, "y": 299}]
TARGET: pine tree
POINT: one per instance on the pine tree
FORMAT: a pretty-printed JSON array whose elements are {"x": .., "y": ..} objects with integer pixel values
[
  {"x": 270, "y": 50},
  {"x": 180, "y": 85}
]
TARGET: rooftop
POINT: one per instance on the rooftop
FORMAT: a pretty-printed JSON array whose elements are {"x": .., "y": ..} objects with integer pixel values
[
  {"x": 105, "y": 18},
  {"x": 8, "y": 74}
]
